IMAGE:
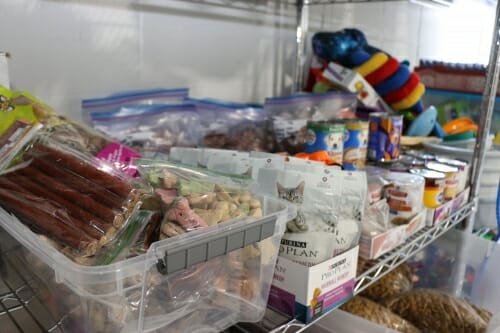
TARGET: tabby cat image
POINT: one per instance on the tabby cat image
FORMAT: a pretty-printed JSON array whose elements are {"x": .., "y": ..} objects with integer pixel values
[{"x": 294, "y": 195}]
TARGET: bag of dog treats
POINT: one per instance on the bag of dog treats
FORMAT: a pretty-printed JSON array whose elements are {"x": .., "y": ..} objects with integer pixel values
[
  {"x": 289, "y": 116},
  {"x": 150, "y": 129},
  {"x": 116, "y": 101},
  {"x": 231, "y": 125}
]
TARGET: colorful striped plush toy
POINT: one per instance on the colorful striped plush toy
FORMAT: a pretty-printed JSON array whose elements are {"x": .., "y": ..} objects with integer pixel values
[{"x": 398, "y": 86}]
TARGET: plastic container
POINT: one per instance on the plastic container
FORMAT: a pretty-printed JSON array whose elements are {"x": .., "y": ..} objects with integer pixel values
[
  {"x": 343, "y": 322},
  {"x": 180, "y": 285}
]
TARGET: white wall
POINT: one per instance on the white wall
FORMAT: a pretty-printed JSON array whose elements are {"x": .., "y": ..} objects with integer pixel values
[{"x": 63, "y": 51}]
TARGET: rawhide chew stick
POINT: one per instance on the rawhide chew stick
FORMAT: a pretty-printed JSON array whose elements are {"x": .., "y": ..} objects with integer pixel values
[
  {"x": 83, "y": 185},
  {"x": 48, "y": 206},
  {"x": 79, "y": 167},
  {"x": 48, "y": 224},
  {"x": 101, "y": 211},
  {"x": 106, "y": 230}
]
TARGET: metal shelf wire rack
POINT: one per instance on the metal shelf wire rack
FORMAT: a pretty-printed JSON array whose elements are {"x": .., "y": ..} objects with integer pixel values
[
  {"x": 375, "y": 270},
  {"x": 23, "y": 298}
]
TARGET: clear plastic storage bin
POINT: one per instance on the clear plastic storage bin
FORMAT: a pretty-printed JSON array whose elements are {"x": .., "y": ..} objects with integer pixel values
[
  {"x": 202, "y": 281},
  {"x": 343, "y": 322}
]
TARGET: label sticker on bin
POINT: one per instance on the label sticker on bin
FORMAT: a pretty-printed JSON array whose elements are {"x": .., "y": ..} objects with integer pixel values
[{"x": 204, "y": 249}]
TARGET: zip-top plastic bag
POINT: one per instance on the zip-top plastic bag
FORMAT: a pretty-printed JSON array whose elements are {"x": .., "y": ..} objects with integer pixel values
[
  {"x": 150, "y": 129},
  {"x": 24, "y": 117},
  {"x": 231, "y": 125},
  {"x": 289, "y": 116},
  {"x": 75, "y": 199},
  {"x": 196, "y": 200},
  {"x": 138, "y": 97}
]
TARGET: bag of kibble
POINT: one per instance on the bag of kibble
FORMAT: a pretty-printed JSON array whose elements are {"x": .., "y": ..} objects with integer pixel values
[
  {"x": 367, "y": 309},
  {"x": 396, "y": 282},
  {"x": 435, "y": 311}
]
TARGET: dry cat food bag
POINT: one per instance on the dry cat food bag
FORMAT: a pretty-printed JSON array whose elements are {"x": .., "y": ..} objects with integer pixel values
[
  {"x": 376, "y": 313},
  {"x": 435, "y": 311},
  {"x": 329, "y": 208},
  {"x": 238, "y": 164},
  {"x": 396, "y": 282}
]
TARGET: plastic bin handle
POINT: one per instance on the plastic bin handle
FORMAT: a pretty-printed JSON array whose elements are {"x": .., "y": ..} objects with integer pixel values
[{"x": 202, "y": 250}]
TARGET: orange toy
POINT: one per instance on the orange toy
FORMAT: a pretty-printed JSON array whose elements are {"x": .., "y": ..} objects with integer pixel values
[
  {"x": 460, "y": 125},
  {"x": 320, "y": 156}
]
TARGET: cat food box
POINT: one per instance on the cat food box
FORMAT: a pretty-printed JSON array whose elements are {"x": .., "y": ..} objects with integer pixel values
[
  {"x": 307, "y": 293},
  {"x": 373, "y": 246},
  {"x": 439, "y": 214}
]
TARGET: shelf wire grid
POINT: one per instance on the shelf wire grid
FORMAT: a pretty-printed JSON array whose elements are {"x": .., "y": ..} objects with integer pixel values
[
  {"x": 376, "y": 269},
  {"x": 22, "y": 302},
  {"x": 23, "y": 308}
]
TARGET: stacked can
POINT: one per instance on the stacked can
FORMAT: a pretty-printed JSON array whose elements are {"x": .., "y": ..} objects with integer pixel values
[
  {"x": 434, "y": 186},
  {"x": 326, "y": 136},
  {"x": 404, "y": 196},
  {"x": 355, "y": 144},
  {"x": 463, "y": 171},
  {"x": 384, "y": 136},
  {"x": 451, "y": 178}
]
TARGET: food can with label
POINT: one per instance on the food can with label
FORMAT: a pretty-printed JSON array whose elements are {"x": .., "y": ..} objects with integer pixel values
[
  {"x": 412, "y": 162},
  {"x": 326, "y": 136},
  {"x": 355, "y": 144},
  {"x": 425, "y": 157},
  {"x": 394, "y": 166},
  {"x": 434, "y": 186},
  {"x": 404, "y": 196},
  {"x": 451, "y": 180},
  {"x": 463, "y": 171},
  {"x": 384, "y": 136}
]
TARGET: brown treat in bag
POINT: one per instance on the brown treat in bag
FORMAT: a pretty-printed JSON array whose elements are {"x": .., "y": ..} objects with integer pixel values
[
  {"x": 483, "y": 313},
  {"x": 437, "y": 311},
  {"x": 376, "y": 313},
  {"x": 396, "y": 282}
]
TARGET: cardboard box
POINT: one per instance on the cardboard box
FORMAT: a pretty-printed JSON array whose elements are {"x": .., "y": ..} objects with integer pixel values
[
  {"x": 375, "y": 246},
  {"x": 439, "y": 214},
  {"x": 445, "y": 78},
  {"x": 354, "y": 82},
  {"x": 308, "y": 292}
]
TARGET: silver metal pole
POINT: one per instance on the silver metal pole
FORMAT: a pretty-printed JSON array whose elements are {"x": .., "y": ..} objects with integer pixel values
[
  {"x": 487, "y": 104},
  {"x": 301, "y": 38}
]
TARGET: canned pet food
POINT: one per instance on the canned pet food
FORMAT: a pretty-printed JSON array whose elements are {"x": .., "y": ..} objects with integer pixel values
[
  {"x": 434, "y": 186},
  {"x": 394, "y": 166},
  {"x": 325, "y": 136},
  {"x": 451, "y": 180},
  {"x": 355, "y": 145},
  {"x": 384, "y": 137},
  {"x": 463, "y": 171},
  {"x": 425, "y": 157},
  {"x": 404, "y": 195},
  {"x": 412, "y": 162}
]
